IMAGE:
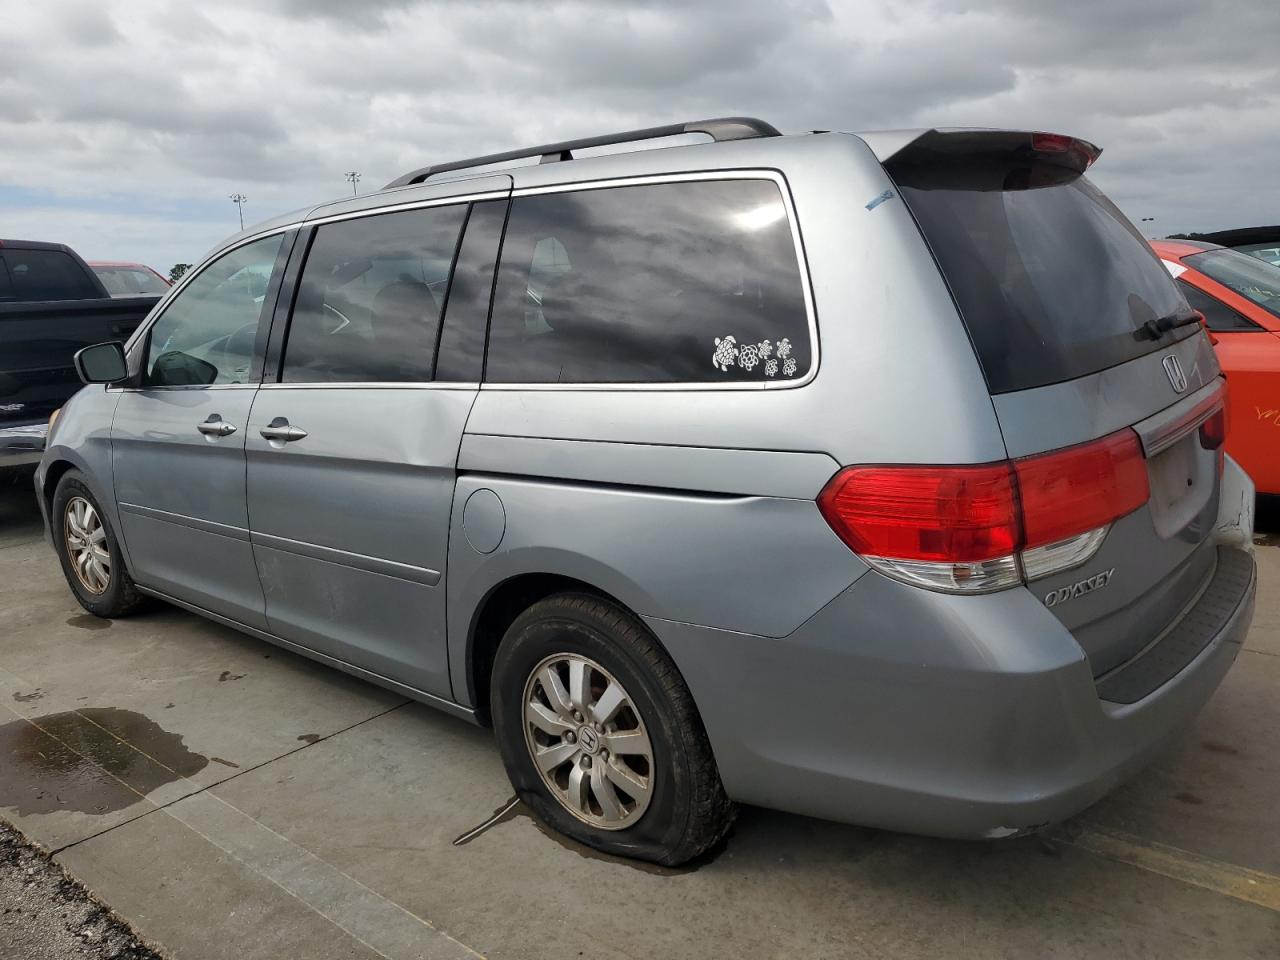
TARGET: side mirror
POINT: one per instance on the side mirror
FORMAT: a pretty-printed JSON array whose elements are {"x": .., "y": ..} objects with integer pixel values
[{"x": 102, "y": 363}]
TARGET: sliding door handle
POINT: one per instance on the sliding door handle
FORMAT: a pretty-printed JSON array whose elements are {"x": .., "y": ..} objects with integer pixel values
[{"x": 280, "y": 430}]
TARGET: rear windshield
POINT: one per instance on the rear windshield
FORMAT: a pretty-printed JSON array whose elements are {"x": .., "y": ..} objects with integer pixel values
[
  {"x": 1250, "y": 277},
  {"x": 44, "y": 275},
  {"x": 130, "y": 281},
  {"x": 1052, "y": 281},
  {"x": 1269, "y": 251}
]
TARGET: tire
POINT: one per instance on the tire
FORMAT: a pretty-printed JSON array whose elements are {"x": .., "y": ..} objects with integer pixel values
[
  {"x": 119, "y": 596},
  {"x": 681, "y": 810}
]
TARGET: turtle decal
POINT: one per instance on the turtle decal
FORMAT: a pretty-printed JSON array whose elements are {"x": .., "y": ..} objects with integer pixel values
[
  {"x": 771, "y": 357},
  {"x": 726, "y": 353}
]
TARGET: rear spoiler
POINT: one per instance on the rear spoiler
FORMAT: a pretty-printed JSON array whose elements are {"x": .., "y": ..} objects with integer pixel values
[{"x": 1057, "y": 148}]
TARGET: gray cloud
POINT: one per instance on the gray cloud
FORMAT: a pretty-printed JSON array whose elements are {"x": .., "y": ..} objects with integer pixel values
[{"x": 181, "y": 105}]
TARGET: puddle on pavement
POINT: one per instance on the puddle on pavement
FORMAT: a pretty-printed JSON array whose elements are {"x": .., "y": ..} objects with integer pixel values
[
  {"x": 87, "y": 621},
  {"x": 515, "y": 809},
  {"x": 56, "y": 762}
]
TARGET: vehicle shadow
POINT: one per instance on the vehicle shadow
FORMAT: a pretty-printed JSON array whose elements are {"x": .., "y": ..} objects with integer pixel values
[
  {"x": 1266, "y": 521},
  {"x": 19, "y": 512}
]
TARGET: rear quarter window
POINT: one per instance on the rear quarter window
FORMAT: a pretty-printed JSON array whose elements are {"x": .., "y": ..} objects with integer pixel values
[
  {"x": 691, "y": 282},
  {"x": 1217, "y": 315}
]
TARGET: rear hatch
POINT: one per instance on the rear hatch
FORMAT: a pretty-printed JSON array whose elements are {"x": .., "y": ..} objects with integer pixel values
[{"x": 1098, "y": 371}]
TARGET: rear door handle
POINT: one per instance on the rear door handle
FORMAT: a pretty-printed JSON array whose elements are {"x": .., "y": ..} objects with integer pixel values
[
  {"x": 279, "y": 429},
  {"x": 215, "y": 426}
]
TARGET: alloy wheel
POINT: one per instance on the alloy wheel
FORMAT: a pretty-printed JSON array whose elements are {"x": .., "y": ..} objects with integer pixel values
[
  {"x": 588, "y": 742},
  {"x": 86, "y": 542}
]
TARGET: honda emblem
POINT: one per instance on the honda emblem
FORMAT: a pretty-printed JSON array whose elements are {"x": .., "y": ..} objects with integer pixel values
[{"x": 1177, "y": 379}]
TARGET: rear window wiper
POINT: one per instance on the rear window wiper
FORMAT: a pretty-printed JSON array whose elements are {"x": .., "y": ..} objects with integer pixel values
[{"x": 1155, "y": 329}]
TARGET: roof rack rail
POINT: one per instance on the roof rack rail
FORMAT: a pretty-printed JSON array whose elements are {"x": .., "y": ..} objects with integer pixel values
[{"x": 719, "y": 129}]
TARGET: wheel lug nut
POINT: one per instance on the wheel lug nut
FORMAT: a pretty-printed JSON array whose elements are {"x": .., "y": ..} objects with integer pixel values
[
  {"x": 569, "y": 737},
  {"x": 577, "y": 716},
  {"x": 586, "y": 763},
  {"x": 599, "y": 728}
]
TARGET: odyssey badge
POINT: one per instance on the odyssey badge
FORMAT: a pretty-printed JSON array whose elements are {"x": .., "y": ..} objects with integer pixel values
[{"x": 1079, "y": 588}]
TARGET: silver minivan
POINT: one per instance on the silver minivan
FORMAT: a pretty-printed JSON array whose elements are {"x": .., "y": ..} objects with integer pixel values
[{"x": 872, "y": 477}]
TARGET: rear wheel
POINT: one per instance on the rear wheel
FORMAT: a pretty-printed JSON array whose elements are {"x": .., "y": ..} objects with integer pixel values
[
  {"x": 600, "y": 736},
  {"x": 91, "y": 559}
]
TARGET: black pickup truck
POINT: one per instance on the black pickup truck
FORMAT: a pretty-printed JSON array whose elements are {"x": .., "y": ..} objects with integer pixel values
[{"x": 51, "y": 305}]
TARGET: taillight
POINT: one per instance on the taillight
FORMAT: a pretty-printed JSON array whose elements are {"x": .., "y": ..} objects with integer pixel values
[
  {"x": 1070, "y": 491},
  {"x": 973, "y": 529},
  {"x": 1082, "y": 151},
  {"x": 924, "y": 513},
  {"x": 1213, "y": 432},
  {"x": 946, "y": 528}
]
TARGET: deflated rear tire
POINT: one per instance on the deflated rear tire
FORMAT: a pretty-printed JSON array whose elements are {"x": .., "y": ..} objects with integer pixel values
[
  {"x": 90, "y": 554},
  {"x": 600, "y": 736}
]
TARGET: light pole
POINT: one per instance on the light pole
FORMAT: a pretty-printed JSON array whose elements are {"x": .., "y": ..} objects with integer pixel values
[
  {"x": 239, "y": 199},
  {"x": 354, "y": 178}
]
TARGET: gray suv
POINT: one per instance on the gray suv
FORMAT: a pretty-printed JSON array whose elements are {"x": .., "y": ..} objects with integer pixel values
[{"x": 871, "y": 477}]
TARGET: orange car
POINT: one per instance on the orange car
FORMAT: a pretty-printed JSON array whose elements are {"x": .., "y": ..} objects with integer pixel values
[{"x": 1239, "y": 296}]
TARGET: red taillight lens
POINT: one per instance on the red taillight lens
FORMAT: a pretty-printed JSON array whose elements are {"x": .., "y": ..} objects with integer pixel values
[
  {"x": 1082, "y": 151},
  {"x": 1051, "y": 142},
  {"x": 948, "y": 514},
  {"x": 1213, "y": 432},
  {"x": 963, "y": 528},
  {"x": 1081, "y": 488}
]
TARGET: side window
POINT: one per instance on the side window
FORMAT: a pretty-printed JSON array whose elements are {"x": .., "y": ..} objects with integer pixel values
[
  {"x": 369, "y": 298},
  {"x": 466, "y": 316},
  {"x": 664, "y": 283},
  {"x": 1217, "y": 315},
  {"x": 207, "y": 333}
]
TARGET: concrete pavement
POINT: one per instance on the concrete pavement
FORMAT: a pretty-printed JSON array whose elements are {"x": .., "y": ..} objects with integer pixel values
[{"x": 234, "y": 800}]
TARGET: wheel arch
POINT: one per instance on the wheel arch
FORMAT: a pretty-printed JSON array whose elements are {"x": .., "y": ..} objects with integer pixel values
[
  {"x": 55, "y": 471},
  {"x": 498, "y": 609}
]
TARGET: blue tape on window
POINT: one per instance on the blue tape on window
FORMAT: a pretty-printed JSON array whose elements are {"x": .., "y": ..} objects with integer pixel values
[{"x": 887, "y": 195}]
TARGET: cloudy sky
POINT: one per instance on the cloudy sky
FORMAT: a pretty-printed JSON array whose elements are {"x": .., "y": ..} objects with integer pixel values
[{"x": 125, "y": 124}]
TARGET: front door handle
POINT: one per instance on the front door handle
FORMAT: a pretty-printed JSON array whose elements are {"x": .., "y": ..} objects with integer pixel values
[
  {"x": 215, "y": 426},
  {"x": 279, "y": 429}
]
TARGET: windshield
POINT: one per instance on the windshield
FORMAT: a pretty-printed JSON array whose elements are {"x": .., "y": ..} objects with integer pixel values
[
  {"x": 1052, "y": 281},
  {"x": 130, "y": 281},
  {"x": 1248, "y": 276}
]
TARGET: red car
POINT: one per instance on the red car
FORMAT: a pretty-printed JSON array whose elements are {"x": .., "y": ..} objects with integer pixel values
[
  {"x": 1239, "y": 296},
  {"x": 129, "y": 279}
]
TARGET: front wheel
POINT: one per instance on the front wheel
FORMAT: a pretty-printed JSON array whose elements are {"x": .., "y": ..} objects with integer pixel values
[
  {"x": 600, "y": 736},
  {"x": 91, "y": 558}
]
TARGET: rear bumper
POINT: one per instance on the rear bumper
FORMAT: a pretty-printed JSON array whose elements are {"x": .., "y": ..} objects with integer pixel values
[
  {"x": 22, "y": 444},
  {"x": 941, "y": 715}
]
